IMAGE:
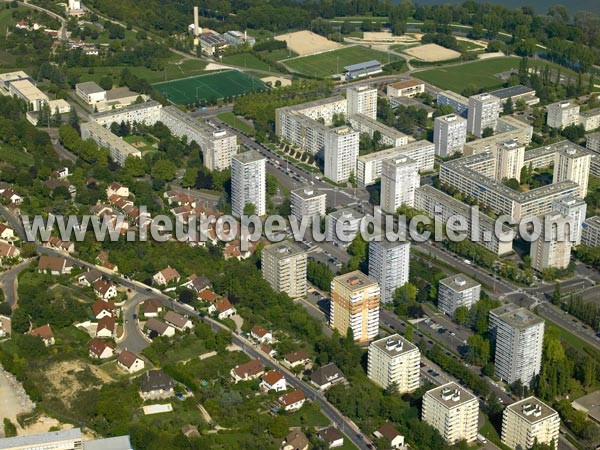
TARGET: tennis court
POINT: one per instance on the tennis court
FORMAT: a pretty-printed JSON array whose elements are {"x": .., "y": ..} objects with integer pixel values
[{"x": 229, "y": 83}]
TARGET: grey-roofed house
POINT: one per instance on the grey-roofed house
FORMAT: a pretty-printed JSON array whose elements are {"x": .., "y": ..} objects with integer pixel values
[
  {"x": 156, "y": 384},
  {"x": 178, "y": 321},
  {"x": 156, "y": 327},
  {"x": 326, "y": 376}
]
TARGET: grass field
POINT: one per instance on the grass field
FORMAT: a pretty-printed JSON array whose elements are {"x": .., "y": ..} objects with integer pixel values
[
  {"x": 230, "y": 119},
  {"x": 147, "y": 142},
  {"x": 278, "y": 55},
  {"x": 15, "y": 157},
  {"x": 329, "y": 63},
  {"x": 466, "y": 46},
  {"x": 246, "y": 60},
  {"x": 229, "y": 83},
  {"x": 479, "y": 74}
]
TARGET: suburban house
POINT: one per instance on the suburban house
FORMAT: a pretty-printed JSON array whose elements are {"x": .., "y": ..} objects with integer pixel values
[
  {"x": 190, "y": 431},
  {"x": 58, "y": 244},
  {"x": 261, "y": 335},
  {"x": 54, "y": 265},
  {"x": 157, "y": 327},
  {"x": 6, "y": 232},
  {"x": 223, "y": 308},
  {"x": 247, "y": 371},
  {"x": 178, "y": 321},
  {"x": 295, "y": 440},
  {"x": 273, "y": 381},
  {"x": 198, "y": 283},
  {"x": 326, "y": 376},
  {"x": 155, "y": 384},
  {"x": 115, "y": 188},
  {"x": 166, "y": 276},
  {"x": 102, "y": 309},
  {"x": 106, "y": 327},
  {"x": 8, "y": 251},
  {"x": 89, "y": 278},
  {"x": 10, "y": 196},
  {"x": 152, "y": 307},
  {"x": 292, "y": 401},
  {"x": 388, "y": 432},
  {"x": 267, "y": 349},
  {"x": 45, "y": 333},
  {"x": 105, "y": 289},
  {"x": 100, "y": 349},
  {"x": 130, "y": 362},
  {"x": 207, "y": 296},
  {"x": 332, "y": 436},
  {"x": 296, "y": 358}
]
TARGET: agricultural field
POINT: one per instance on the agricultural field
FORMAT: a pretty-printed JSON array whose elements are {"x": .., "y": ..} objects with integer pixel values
[
  {"x": 229, "y": 83},
  {"x": 333, "y": 62}
]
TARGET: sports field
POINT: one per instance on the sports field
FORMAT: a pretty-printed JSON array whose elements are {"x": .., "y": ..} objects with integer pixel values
[
  {"x": 330, "y": 63},
  {"x": 480, "y": 74},
  {"x": 229, "y": 83}
]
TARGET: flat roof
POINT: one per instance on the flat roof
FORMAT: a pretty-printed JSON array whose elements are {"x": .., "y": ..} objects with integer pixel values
[
  {"x": 308, "y": 193},
  {"x": 89, "y": 87},
  {"x": 249, "y": 156},
  {"x": 459, "y": 283},
  {"x": 126, "y": 109},
  {"x": 376, "y": 125},
  {"x": 400, "y": 161},
  {"x": 29, "y": 90},
  {"x": 593, "y": 221},
  {"x": 516, "y": 316},
  {"x": 38, "y": 440},
  {"x": 451, "y": 395},
  {"x": 590, "y": 404},
  {"x": 590, "y": 112},
  {"x": 362, "y": 66},
  {"x": 513, "y": 91},
  {"x": 320, "y": 102},
  {"x": 112, "y": 443},
  {"x": 532, "y": 409},
  {"x": 284, "y": 249},
  {"x": 449, "y": 118},
  {"x": 346, "y": 212},
  {"x": 355, "y": 281},
  {"x": 195, "y": 124},
  {"x": 454, "y": 96},
  {"x": 408, "y": 101},
  {"x": 110, "y": 139},
  {"x": 407, "y": 83},
  {"x": 11, "y": 76},
  {"x": 119, "y": 92},
  {"x": 212, "y": 38},
  {"x": 394, "y": 345}
]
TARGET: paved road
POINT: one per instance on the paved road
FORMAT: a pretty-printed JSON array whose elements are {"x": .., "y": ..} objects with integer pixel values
[
  {"x": 61, "y": 151},
  {"x": 134, "y": 339},
  {"x": 9, "y": 282}
]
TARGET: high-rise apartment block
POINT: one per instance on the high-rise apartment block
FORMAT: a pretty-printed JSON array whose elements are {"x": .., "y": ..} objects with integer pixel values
[
  {"x": 456, "y": 291},
  {"x": 449, "y": 135},
  {"x": 388, "y": 136},
  {"x": 484, "y": 110},
  {"x": 573, "y": 163},
  {"x": 576, "y": 208},
  {"x": 529, "y": 422},
  {"x": 509, "y": 160},
  {"x": 284, "y": 267},
  {"x": 248, "y": 183},
  {"x": 362, "y": 100},
  {"x": 590, "y": 232},
  {"x": 342, "y": 226},
  {"x": 519, "y": 336},
  {"x": 394, "y": 360},
  {"x": 456, "y": 101},
  {"x": 562, "y": 114},
  {"x": 593, "y": 144},
  {"x": 399, "y": 180},
  {"x": 341, "y": 152},
  {"x": 453, "y": 411},
  {"x": 355, "y": 305},
  {"x": 308, "y": 202},
  {"x": 389, "y": 265},
  {"x": 552, "y": 249}
]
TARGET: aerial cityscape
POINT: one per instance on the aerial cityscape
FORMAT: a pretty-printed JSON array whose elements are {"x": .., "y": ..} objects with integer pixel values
[{"x": 299, "y": 224}]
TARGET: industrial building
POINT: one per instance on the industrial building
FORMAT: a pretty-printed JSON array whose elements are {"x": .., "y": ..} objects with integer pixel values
[{"x": 365, "y": 69}]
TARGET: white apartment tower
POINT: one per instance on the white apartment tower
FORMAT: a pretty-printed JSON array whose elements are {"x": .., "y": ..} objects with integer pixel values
[
  {"x": 484, "y": 110},
  {"x": 453, "y": 411},
  {"x": 456, "y": 291},
  {"x": 342, "y": 226},
  {"x": 562, "y": 114},
  {"x": 590, "y": 232},
  {"x": 248, "y": 183},
  {"x": 573, "y": 162},
  {"x": 510, "y": 157},
  {"x": 355, "y": 305},
  {"x": 399, "y": 180},
  {"x": 449, "y": 135},
  {"x": 308, "y": 202},
  {"x": 552, "y": 249},
  {"x": 362, "y": 100},
  {"x": 341, "y": 152},
  {"x": 576, "y": 208},
  {"x": 284, "y": 267},
  {"x": 394, "y": 360},
  {"x": 519, "y": 336},
  {"x": 389, "y": 265},
  {"x": 529, "y": 421}
]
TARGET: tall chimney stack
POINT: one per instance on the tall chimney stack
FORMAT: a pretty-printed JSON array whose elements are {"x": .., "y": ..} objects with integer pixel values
[{"x": 196, "y": 25}]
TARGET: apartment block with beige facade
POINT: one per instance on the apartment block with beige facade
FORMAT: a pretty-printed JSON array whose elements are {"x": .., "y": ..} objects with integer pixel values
[
  {"x": 553, "y": 248},
  {"x": 562, "y": 114},
  {"x": 529, "y": 421},
  {"x": 284, "y": 268},
  {"x": 355, "y": 305},
  {"x": 453, "y": 411},
  {"x": 394, "y": 360}
]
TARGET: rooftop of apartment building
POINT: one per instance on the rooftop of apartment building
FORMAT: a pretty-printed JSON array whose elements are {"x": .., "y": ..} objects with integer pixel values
[
  {"x": 451, "y": 395},
  {"x": 590, "y": 112},
  {"x": 400, "y": 161},
  {"x": 532, "y": 410},
  {"x": 343, "y": 130},
  {"x": 308, "y": 193},
  {"x": 593, "y": 221},
  {"x": 516, "y": 316},
  {"x": 484, "y": 97},
  {"x": 355, "y": 281},
  {"x": 376, "y": 125},
  {"x": 346, "y": 213},
  {"x": 130, "y": 108},
  {"x": 314, "y": 103},
  {"x": 394, "y": 345},
  {"x": 563, "y": 104},
  {"x": 451, "y": 118},
  {"x": 567, "y": 148},
  {"x": 459, "y": 283},
  {"x": 454, "y": 96},
  {"x": 249, "y": 156},
  {"x": 385, "y": 154},
  {"x": 513, "y": 91},
  {"x": 282, "y": 250}
]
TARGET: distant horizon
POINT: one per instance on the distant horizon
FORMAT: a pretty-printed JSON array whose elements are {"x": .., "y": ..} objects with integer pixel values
[{"x": 540, "y": 6}]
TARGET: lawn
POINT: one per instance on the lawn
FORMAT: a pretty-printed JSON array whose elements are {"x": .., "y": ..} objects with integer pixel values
[
  {"x": 15, "y": 157},
  {"x": 143, "y": 143},
  {"x": 330, "y": 63},
  {"x": 465, "y": 46},
  {"x": 230, "y": 119},
  {"x": 480, "y": 74},
  {"x": 278, "y": 55},
  {"x": 309, "y": 415},
  {"x": 246, "y": 60}
]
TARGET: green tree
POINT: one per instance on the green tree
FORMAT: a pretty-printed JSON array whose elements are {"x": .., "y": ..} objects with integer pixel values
[
  {"x": 556, "y": 295},
  {"x": 164, "y": 170},
  {"x": 249, "y": 209},
  {"x": 135, "y": 167},
  {"x": 405, "y": 294},
  {"x": 279, "y": 426},
  {"x": 509, "y": 106},
  {"x": 461, "y": 314}
]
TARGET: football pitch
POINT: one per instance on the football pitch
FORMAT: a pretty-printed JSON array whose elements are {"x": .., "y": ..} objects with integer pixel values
[
  {"x": 332, "y": 62},
  {"x": 229, "y": 83}
]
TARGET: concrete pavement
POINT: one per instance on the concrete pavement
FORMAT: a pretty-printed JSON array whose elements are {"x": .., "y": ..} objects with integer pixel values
[
  {"x": 9, "y": 282},
  {"x": 133, "y": 338}
]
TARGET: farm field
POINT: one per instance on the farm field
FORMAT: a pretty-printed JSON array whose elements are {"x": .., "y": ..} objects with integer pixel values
[
  {"x": 229, "y": 83},
  {"x": 333, "y": 62}
]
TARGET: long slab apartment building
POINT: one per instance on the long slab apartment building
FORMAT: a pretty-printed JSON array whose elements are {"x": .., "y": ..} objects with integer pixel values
[
  {"x": 476, "y": 176},
  {"x": 218, "y": 145}
]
